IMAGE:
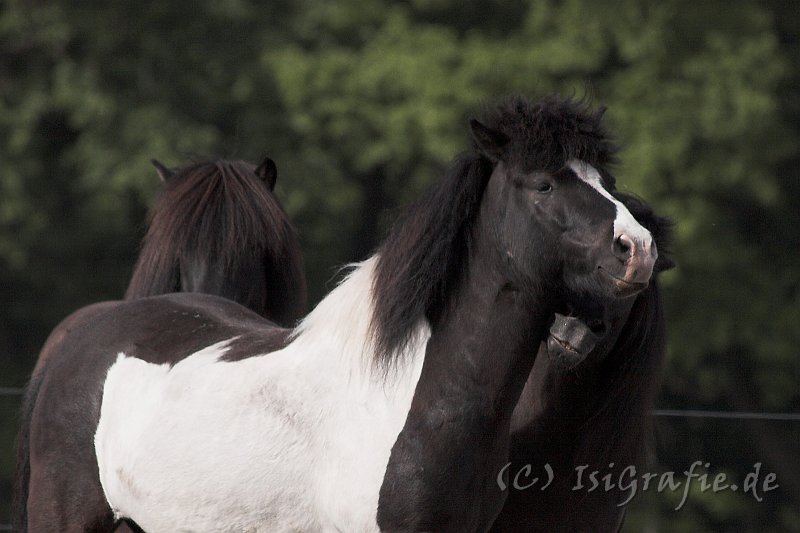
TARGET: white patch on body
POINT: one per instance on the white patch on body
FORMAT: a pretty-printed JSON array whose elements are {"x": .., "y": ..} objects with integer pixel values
[
  {"x": 624, "y": 223},
  {"x": 294, "y": 440}
]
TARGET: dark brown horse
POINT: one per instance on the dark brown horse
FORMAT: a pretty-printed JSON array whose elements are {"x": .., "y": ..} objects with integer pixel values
[
  {"x": 578, "y": 414},
  {"x": 216, "y": 229},
  {"x": 394, "y": 395}
]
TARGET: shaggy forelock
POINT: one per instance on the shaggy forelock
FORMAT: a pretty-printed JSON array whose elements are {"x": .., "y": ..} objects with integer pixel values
[{"x": 545, "y": 134}]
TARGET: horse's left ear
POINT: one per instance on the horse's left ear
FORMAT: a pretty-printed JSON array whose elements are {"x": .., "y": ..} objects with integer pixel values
[
  {"x": 163, "y": 172},
  {"x": 663, "y": 263},
  {"x": 268, "y": 172},
  {"x": 491, "y": 142}
]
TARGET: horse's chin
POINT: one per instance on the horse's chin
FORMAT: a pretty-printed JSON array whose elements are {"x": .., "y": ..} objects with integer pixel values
[
  {"x": 570, "y": 341},
  {"x": 619, "y": 287}
]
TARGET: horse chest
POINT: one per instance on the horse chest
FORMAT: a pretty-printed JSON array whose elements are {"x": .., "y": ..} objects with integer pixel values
[{"x": 245, "y": 446}]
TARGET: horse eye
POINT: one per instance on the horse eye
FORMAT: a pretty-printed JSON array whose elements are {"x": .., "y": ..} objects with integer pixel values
[{"x": 544, "y": 187}]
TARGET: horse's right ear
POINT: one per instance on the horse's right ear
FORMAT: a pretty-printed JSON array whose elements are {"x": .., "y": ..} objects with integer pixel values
[
  {"x": 163, "y": 172},
  {"x": 268, "y": 172},
  {"x": 491, "y": 142}
]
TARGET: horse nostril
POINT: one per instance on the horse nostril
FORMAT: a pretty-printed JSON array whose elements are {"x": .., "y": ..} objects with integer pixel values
[
  {"x": 598, "y": 327},
  {"x": 623, "y": 247}
]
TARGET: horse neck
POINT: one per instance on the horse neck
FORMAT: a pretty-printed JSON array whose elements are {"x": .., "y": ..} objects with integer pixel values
[
  {"x": 479, "y": 354},
  {"x": 484, "y": 344},
  {"x": 562, "y": 401},
  {"x": 552, "y": 410},
  {"x": 599, "y": 410}
]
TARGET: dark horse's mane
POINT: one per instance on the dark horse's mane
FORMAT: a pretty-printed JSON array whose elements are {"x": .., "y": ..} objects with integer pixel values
[
  {"x": 620, "y": 427},
  {"x": 423, "y": 255},
  {"x": 219, "y": 211}
]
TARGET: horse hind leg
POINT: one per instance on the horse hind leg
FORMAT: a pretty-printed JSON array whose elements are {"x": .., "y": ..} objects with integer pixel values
[
  {"x": 40, "y": 500},
  {"x": 22, "y": 473},
  {"x": 66, "y": 500},
  {"x": 64, "y": 494}
]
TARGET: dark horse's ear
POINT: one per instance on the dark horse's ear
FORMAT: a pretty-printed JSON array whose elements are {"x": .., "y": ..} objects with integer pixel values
[
  {"x": 163, "y": 172},
  {"x": 268, "y": 172},
  {"x": 491, "y": 142},
  {"x": 663, "y": 263}
]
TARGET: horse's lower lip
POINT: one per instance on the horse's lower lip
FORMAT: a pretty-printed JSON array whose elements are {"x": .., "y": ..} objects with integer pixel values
[
  {"x": 564, "y": 344},
  {"x": 562, "y": 353},
  {"x": 624, "y": 288}
]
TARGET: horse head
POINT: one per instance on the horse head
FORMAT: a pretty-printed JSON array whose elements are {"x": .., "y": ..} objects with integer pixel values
[
  {"x": 556, "y": 219},
  {"x": 218, "y": 229},
  {"x": 592, "y": 327}
]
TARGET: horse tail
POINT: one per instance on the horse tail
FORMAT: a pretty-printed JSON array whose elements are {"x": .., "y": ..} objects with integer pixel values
[{"x": 22, "y": 475}]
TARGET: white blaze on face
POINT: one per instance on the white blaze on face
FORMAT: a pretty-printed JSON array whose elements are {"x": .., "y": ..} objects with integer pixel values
[{"x": 624, "y": 223}]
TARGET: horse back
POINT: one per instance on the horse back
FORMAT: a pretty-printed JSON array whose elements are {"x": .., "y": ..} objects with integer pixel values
[{"x": 159, "y": 330}]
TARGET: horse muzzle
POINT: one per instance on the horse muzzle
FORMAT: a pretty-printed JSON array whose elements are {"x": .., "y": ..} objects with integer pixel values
[
  {"x": 570, "y": 341},
  {"x": 632, "y": 267}
]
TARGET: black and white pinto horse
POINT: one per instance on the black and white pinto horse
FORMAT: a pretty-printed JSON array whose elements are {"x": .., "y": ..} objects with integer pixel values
[
  {"x": 217, "y": 228},
  {"x": 389, "y": 407}
]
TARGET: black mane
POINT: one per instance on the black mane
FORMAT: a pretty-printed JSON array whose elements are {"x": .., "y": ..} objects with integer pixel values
[
  {"x": 221, "y": 212},
  {"x": 424, "y": 254},
  {"x": 547, "y": 133}
]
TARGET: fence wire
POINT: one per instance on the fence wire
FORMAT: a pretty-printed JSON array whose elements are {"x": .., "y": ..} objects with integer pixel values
[{"x": 685, "y": 413}]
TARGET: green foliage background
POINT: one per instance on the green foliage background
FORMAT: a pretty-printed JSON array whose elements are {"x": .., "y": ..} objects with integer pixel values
[{"x": 362, "y": 103}]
